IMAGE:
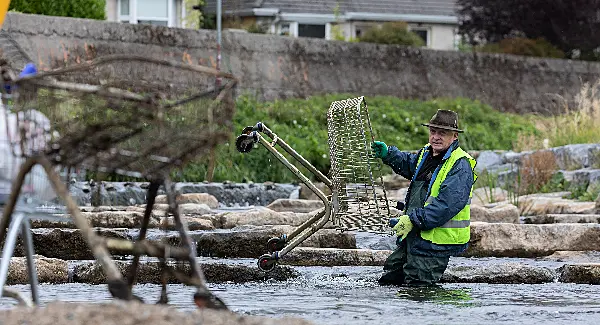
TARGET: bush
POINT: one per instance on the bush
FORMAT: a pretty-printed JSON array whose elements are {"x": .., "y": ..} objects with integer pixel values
[
  {"x": 524, "y": 46},
  {"x": 303, "y": 125},
  {"x": 92, "y": 9},
  {"x": 392, "y": 33}
]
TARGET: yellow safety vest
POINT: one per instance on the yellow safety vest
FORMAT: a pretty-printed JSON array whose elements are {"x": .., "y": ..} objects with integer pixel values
[{"x": 458, "y": 229}]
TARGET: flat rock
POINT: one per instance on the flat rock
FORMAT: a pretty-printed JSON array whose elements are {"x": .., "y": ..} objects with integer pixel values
[
  {"x": 150, "y": 272},
  {"x": 526, "y": 240},
  {"x": 262, "y": 216},
  {"x": 66, "y": 244},
  {"x": 299, "y": 206},
  {"x": 505, "y": 213},
  {"x": 305, "y": 256},
  {"x": 580, "y": 273},
  {"x": 574, "y": 256},
  {"x": 104, "y": 219},
  {"x": 199, "y": 198},
  {"x": 252, "y": 243},
  {"x": 506, "y": 273},
  {"x": 540, "y": 205},
  {"x": 49, "y": 270},
  {"x": 125, "y": 312},
  {"x": 562, "y": 218}
]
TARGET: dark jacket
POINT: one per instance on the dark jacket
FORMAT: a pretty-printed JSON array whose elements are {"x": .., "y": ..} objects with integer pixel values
[{"x": 453, "y": 196}]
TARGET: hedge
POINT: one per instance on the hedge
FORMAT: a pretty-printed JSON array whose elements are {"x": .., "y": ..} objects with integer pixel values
[
  {"x": 303, "y": 125},
  {"x": 92, "y": 9}
]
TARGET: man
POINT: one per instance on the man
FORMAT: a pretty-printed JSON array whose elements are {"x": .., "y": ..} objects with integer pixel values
[{"x": 436, "y": 219}]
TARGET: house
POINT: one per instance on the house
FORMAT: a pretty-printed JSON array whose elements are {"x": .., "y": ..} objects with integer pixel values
[
  {"x": 169, "y": 13},
  {"x": 435, "y": 21}
]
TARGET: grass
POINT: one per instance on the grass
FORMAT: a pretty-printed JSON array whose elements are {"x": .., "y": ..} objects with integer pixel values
[{"x": 578, "y": 123}]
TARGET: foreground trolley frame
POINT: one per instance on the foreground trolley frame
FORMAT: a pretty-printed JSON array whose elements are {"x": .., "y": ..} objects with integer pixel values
[{"x": 358, "y": 200}]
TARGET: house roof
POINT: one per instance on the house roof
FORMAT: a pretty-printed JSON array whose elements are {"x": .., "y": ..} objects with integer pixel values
[{"x": 326, "y": 7}]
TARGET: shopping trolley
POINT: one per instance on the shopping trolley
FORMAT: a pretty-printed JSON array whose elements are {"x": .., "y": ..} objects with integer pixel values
[
  {"x": 118, "y": 115},
  {"x": 358, "y": 201}
]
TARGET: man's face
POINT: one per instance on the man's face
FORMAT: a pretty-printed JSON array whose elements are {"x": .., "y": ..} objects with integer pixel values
[{"x": 441, "y": 139}]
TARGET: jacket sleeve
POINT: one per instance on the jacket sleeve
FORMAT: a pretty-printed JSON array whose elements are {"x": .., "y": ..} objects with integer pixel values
[
  {"x": 403, "y": 163},
  {"x": 452, "y": 197}
]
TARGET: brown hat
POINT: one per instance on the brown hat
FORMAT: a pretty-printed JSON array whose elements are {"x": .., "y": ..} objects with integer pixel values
[{"x": 444, "y": 119}]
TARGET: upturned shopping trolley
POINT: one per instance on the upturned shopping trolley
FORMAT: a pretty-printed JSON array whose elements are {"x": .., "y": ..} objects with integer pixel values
[
  {"x": 358, "y": 201},
  {"x": 118, "y": 115}
]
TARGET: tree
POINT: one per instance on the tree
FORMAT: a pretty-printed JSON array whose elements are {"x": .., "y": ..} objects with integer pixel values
[
  {"x": 92, "y": 9},
  {"x": 570, "y": 25}
]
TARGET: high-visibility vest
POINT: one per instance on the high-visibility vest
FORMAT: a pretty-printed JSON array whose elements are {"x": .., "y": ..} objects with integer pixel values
[{"x": 458, "y": 229}]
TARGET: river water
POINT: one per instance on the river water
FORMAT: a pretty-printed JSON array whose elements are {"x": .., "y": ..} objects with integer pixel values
[{"x": 351, "y": 295}]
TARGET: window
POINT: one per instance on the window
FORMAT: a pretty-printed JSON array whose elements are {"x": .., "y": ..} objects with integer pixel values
[
  {"x": 423, "y": 33},
  {"x": 316, "y": 31},
  {"x": 153, "y": 12}
]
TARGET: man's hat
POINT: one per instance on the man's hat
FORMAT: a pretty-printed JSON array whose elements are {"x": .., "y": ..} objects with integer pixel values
[{"x": 444, "y": 119}]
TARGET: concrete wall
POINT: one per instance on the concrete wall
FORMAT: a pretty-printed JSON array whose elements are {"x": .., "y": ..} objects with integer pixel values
[
  {"x": 279, "y": 67},
  {"x": 442, "y": 37}
]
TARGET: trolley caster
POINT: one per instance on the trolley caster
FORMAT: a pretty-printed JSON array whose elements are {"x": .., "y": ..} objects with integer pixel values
[
  {"x": 267, "y": 262},
  {"x": 245, "y": 142},
  {"x": 275, "y": 244}
]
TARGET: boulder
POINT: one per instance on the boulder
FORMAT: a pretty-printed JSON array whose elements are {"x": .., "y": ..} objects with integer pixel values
[
  {"x": 49, "y": 270},
  {"x": 562, "y": 218},
  {"x": 131, "y": 312},
  {"x": 526, "y": 240},
  {"x": 251, "y": 243},
  {"x": 580, "y": 273},
  {"x": 197, "y": 198},
  {"x": 506, "y": 273},
  {"x": 485, "y": 195},
  {"x": 395, "y": 181},
  {"x": 66, "y": 244},
  {"x": 241, "y": 194},
  {"x": 504, "y": 213},
  {"x": 150, "y": 272},
  {"x": 308, "y": 194},
  {"x": 576, "y": 156},
  {"x": 305, "y": 256},
  {"x": 298, "y": 206},
  {"x": 487, "y": 159}
]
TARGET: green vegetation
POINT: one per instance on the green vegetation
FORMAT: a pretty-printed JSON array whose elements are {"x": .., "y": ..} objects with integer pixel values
[
  {"x": 92, "y": 9},
  {"x": 303, "y": 125},
  {"x": 523, "y": 46},
  {"x": 392, "y": 33}
]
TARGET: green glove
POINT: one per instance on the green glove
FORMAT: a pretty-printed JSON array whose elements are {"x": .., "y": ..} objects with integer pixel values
[
  {"x": 403, "y": 227},
  {"x": 380, "y": 149}
]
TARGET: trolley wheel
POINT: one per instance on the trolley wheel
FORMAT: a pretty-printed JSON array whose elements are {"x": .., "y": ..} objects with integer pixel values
[
  {"x": 275, "y": 244},
  {"x": 267, "y": 263},
  {"x": 244, "y": 143}
]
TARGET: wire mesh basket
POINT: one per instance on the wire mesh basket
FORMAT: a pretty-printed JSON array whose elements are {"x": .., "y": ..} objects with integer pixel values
[
  {"x": 359, "y": 198},
  {"x": 358, "y": 201}
]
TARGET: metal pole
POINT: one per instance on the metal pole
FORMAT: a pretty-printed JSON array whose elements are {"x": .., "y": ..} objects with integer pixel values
[{"x": 218, "y": 81}]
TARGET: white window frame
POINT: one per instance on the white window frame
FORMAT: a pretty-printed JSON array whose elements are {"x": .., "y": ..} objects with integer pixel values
[
  {"x": 133, "y": 17},
  {"x": 293, "y": 28}
]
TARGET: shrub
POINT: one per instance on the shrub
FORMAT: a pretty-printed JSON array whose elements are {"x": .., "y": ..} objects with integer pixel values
[
  {"x": 524, "y": 46},
  {"x": 303, "y": 125},
  {"x": 392, "y": 33},
  {"x": 92, "y": 9}
]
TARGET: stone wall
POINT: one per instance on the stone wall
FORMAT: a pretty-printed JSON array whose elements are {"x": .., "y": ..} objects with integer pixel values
[{"x": 279, "y": 67}]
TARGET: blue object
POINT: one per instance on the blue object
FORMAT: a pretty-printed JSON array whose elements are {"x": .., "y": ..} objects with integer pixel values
[
  {"x": 393, "y": 222},
  {"x": 29, "y": 70}
]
